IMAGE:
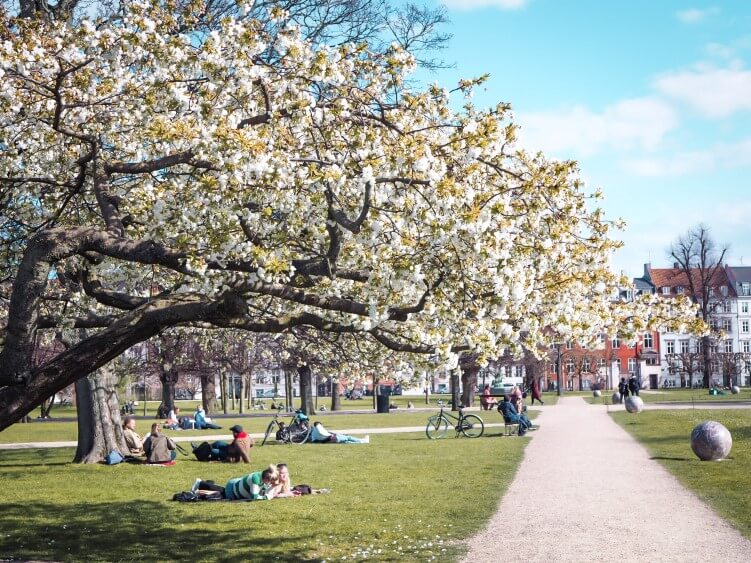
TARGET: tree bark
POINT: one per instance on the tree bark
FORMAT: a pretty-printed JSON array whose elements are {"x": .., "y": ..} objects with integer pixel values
[
  {"x": 169, "y": 381},
  {"x": 99, "y": 425},
  {"x": 336, "y": 399},
  {"x": 706, "y": 353},
  {"x": 288, "y": 389},
  {"x": 306, "y": 389},
  {"x": 208, "y": 392},
  {"x": 223, "y": 383},
  {"x": 455, "y": 390},
  {"x": 241, "y": 401},
  {"x": 469, "y": 382}
]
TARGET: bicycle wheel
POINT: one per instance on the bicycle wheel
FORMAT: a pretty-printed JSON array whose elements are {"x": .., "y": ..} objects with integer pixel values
[
  {"x": 269, "y": 430},
  {"x": 436, "y": 428},
  {"x": 472, "y": 426},
  {"x": 300, "y": 436}
]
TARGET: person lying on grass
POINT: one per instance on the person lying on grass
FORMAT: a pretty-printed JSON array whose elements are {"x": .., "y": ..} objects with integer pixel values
[
  {"x": 321, "y": 435},
  {"x": 259, "y": 485}
]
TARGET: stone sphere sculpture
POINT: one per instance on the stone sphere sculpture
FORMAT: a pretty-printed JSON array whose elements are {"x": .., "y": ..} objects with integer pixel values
[
  {"x": 616, "y": 398},
  {"x": 735, "y": 389},
  {"x": 711, "y": 441},
  {"x": 634, "y": 405},
  {"x": 597, "y": 393}
]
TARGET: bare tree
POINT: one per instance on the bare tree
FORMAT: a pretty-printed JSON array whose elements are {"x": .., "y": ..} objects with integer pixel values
[{"x": 701, "y": 261}]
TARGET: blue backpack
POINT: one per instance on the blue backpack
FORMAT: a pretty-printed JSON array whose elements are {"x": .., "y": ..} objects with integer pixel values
[{"x": 113, "y": 458}]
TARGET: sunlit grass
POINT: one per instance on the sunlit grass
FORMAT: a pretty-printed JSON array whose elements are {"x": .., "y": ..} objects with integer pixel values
[
  {"x": 724, "y": 485},
  {"x": 402, "y": 497}
]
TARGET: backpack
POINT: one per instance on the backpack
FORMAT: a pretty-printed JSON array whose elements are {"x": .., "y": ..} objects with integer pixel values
[
  {"x": 113, "y": 458},
  {"x": 184, "y": 423},
  {"x": 202, "y": 451},
  {"x": 302, "y": 489},
  {"x": 185, "y": 496}
]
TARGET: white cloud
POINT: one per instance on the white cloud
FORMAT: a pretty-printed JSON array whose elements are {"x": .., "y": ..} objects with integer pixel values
[
  {"x": 695, "y": 15},
  {"x": 473, "y": 4},
  {"x": 722, "y": 155},
  {"x": 714, "y": 92},
  {"x": 578, "y": 131}
]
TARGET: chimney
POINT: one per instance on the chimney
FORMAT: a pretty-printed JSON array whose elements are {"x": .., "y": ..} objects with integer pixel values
[
  {"x": 647, "y": 267},
  {"x": 676, "y": 265}
]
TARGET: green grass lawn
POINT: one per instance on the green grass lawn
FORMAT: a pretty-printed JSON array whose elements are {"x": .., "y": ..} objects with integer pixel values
[
  {"x": 676, "y": 396},
  {"x": 723, "y": 485},
  {"x": 55, "y": 431},
  {"x": 400, "y": 498}
]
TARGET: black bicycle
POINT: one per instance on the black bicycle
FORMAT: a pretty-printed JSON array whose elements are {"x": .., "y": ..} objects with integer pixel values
[
  {"x": 296, "y": 432},
  {"x": 470, "y": 425}
]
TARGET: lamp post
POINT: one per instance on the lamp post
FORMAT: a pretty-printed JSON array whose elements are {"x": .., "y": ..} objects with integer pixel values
[{"x": 558, "y": 370}]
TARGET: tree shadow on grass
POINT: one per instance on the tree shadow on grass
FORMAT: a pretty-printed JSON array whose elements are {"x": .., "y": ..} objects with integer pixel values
[
  {"x": 668, "y": 458},
  {"x": 135, "y": 531}
]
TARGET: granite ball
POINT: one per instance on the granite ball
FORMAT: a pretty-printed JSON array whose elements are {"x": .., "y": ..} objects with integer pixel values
[
  {"x": 616, "y": 398},
  {"x": 735, "y": 389},
  {"x": 634, "y": 405},
  {"x": 711, "y": 441},
  {"x": 597, "y": 393}
]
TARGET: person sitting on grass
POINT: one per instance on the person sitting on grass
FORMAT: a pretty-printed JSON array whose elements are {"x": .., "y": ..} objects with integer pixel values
[
  {"x": 201, "y": 422},
  {"x": 321, "y": 435},
  {"x": 511, "y": 416},
  {"x": 487, "y": 402},
  {"x": 132, "y": 439},
  {"x": 239, "y": 449},
  {"x": 158, "y": 447},
  {"x": 172, "y": 422}
]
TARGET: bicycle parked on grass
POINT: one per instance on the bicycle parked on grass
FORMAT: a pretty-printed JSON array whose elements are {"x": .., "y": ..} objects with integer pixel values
[
  {"x": 296, "y": 432},
  {"x": 470, "y": 425}
]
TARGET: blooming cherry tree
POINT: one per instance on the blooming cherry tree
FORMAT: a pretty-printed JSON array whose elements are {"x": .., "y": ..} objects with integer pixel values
[{"x": 264, "y": 183}]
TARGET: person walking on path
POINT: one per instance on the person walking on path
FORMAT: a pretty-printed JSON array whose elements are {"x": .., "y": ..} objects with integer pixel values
[
  {"x": 623, "y": 389},
  {"x": 536, "y": 391},
  {"x": 582, "y": 480}
]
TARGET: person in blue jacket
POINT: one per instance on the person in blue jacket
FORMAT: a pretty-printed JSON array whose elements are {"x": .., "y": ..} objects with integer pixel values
[
  {"x": 200, "y": 418},
  {"x": 508, "y": 410}
]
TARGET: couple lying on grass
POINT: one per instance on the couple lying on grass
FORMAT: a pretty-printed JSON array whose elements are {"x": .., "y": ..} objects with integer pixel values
[{"x": 272, "y": 482}]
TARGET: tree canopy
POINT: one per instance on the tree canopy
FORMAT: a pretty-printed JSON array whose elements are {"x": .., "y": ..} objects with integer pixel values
[{"x": 156, "y": 173}]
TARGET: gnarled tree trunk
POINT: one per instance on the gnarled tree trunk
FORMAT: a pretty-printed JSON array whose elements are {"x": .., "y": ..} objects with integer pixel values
[
  {"x": 169, "y": 381},
  {"x": 208, "y": 392},
  {"x": 454, "y": 389},
  {"x": 306, "y": 389},
  {"x": 469, "y": 382},
  {"x": 99, "y": 425}
]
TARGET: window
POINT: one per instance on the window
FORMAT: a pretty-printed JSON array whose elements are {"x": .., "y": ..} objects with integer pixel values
[
  {"x": 666, "y": 290},
  {"x": 727, "y": 307},
  {"x": 744, "y": 307},
  {"x": 724, "y": 290},
  {"x": 585, "y": 365},
  {"x": 507, "y": 370},
  {"x": 746, "y": 290},
  {"x": 684, "y": 346},
  {"x": 601, "y": 363},
  {"x": 570, "y": 365},
  {"x": 728, "y": 346},
  {"x": 519, "y": 371},
  {"x": 710, "y": 291},
  {"x": 632, "y": 365},
  {"x": 713, "y": 324},
  {"x": 569, "y": 345},
  {"x": 618, "y": 365},
  {"x": 603, "y": 337},
  {"x": 746, "y": 346},
  {"x": 744, "y": 327},
  {"x": 616, "y": 342},
  {"x": 648, "y": 341},
  {"x": 726, "y": 325},
  {"x": 670, "y": 346},
  {"x": 679, "y": 290}
]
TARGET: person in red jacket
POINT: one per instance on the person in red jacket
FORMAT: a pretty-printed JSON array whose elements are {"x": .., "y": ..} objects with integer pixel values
[
  {"x": 536, "y": 392},
  {"x": 239, "y": 449}
]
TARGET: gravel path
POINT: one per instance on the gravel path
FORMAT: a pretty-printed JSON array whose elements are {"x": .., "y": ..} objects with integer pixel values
[{"x": 587, "y": 491}]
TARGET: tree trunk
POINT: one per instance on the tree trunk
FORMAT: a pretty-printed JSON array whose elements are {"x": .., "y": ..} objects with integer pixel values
[
  {"x": 706, "y": 353},
  {"x": 455, "y": 390},
  {"x": 241, "y": 401},
  {"x": 208, "y": 392},
  {"x": 288, "y": 389},
  {"x": 99, "y": 425},
  {"x": 306, "y": 391},
  {"x": 469, "y": 382},
  {"x": 249, "y": 390},
  {"x": 223, "y": 383},
  {"x": 46, "y": 407},
  {"x": 336, "y": 399},
  {"x": 168, "y": 379}
]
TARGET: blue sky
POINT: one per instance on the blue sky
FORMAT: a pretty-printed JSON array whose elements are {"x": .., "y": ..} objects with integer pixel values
[{"x": 653, "y": 98}]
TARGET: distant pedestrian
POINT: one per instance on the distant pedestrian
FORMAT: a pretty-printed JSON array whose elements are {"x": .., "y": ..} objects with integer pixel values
[
  {"x": 623, "y": 389},
  {"x": 536, "y": 392},
  {"x": 633, "y": 386}
]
